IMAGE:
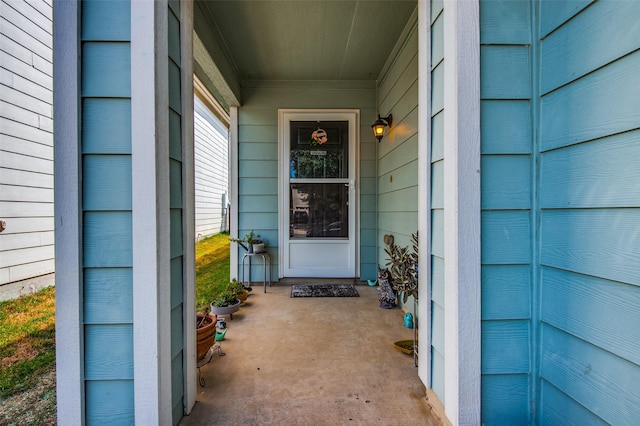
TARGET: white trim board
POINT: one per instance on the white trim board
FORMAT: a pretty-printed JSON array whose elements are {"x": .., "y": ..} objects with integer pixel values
[
  {"x": 424, "y": 189},
  {"x": 150, "y": 218},
  {"x": 462, "y": 211},
  {"x": 69, "y": 320}
]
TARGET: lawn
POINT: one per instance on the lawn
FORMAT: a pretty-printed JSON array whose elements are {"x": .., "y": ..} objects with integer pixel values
[{"x": 27, "y": 339}]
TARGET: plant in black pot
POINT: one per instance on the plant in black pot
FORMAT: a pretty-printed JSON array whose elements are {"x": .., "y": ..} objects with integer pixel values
[{"x": 251, "y": 242}]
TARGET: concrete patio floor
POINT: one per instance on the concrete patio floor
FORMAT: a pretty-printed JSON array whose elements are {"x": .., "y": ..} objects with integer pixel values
[{"x": 312, "y": 361}]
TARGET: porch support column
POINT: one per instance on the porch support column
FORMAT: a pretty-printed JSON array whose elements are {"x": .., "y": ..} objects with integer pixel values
[
  {"x": 150, "y": 213},
  {"x": 462, "y": 211}
]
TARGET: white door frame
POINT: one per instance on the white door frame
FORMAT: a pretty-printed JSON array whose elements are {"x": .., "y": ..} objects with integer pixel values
[{"x": 284, "y": 117}]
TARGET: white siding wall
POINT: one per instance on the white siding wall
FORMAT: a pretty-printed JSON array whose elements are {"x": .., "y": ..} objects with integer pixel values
[
  {"x": 211, "y": 173},
  {"x": 26, "y": 140}
]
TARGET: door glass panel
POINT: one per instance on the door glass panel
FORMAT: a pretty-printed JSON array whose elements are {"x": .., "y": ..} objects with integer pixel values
[
  {"x": 319, "y": 210},
  {"x": 327, "y": 160}
]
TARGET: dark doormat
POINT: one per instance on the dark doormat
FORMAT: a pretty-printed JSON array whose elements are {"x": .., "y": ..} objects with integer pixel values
[{"x": 324, "y": 290}]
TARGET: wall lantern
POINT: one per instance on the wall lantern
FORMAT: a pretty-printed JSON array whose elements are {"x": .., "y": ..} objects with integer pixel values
[{"x": 379, "y": 126}]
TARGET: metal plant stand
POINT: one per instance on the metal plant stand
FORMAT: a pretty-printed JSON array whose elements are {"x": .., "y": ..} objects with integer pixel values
[
  {"x": 415, "y": 332},
  {"x": 207, "y": 359}
]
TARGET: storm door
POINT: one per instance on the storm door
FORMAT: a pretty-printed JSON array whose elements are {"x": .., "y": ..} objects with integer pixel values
[{"x": 318, "y": 194}]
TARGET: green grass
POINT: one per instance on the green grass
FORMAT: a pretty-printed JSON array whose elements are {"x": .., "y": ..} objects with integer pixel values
[
  {"x": 212, "y": 269},
  {"x": 27, "y": 340}
]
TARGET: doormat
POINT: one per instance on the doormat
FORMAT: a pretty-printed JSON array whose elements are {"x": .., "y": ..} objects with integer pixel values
[{"x": 324, "y": 290}]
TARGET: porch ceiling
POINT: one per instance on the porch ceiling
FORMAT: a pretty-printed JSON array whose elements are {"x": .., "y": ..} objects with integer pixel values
[{"x": 305, "y": 39}]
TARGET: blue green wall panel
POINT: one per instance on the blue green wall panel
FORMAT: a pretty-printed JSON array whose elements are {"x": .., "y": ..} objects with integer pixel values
[
  {"x": 107, "y": 239},
  {"x": 505, "y": 127},
  {"x": 106, "y": 69},
  {"x": 590, "y": 175},
  {"x": 585, "y": 42},
  {"x": 174, "y": 115},
  {"x": 505, "y": 347},
  {"x": 554, "y": 13},
  {"x": 506, "y": 237},
  {"x": 601, "y": 310},
  {"x": 106, "y": 20},
  {"x": 558, "y": 408},
  {"x": 605, "y": 384},
  {"x": 505, "y": 399},
  {"x": 600, "y": 104},
  {"x": 106, "y": 203},
  {"x": 506, "y": 182},
  {"x": 599, "y": 242},
  {"x": 505, "y": 71},
  {"x": 562, "y": 255},
  {"x": 106, "y": 126},
  {"x": 109, "y": 403},
  {"x": 506, "y": 292},
  {"x": 106, "y": 182},
  {"x": 108, "y": 349},
  {"x": 507, "y": 175},
  {"x": 108, "y": 295},
  {"x": 175, "y": 136},
  {"x": 506, "y": 20}
]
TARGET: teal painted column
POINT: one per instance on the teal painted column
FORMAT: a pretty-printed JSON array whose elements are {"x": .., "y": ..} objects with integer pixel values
[
  {"x": 107, "y": 211},
  {"x": 124, "y": 207}
]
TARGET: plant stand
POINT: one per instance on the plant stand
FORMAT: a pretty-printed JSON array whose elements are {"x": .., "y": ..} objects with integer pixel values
[
  {"x": 266, "y": 260},
  {"x": 207, "y": 359},
  {"x": 415, "y": 333}
]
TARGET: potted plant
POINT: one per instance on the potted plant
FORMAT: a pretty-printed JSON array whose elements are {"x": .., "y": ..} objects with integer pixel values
[
  {"x": 241, "y": 292},
  {"x": 228, "y": 301},
  {"x": 205, "y": 333},
  {"x": 403, "y": 266},
  {"x": 404, "y": 273},
  {"x": 251, "y": 243}
]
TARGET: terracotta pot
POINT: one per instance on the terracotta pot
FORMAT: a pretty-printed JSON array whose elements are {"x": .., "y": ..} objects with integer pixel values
[{"x": 205, "y": 334}]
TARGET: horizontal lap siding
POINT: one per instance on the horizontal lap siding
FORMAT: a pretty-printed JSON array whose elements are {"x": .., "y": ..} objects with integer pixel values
[
  {"x": 397, "y": 161},
  {"x": 258, "y": 160},
  {"x": 26, "y": 139},
  {"x": 106, "y": 206},
  {"x": 176, "y": 216},
  {"x": 590, "y": 212},
  {"x": 211, "y": 171},
  {"x": 506, "y": 202},
  {"x": 437, "y": 202}
]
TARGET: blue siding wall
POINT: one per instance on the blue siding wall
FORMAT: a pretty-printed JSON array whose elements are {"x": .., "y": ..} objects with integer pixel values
[
  {"x": 506, "y": 184},
  {"x": 398, "y": 151},
  {"x": 561, "y": 212},
  {"x": 176, "y": 217},
  {"x": 437, "y": 200},
  {"x": 590, "y": 212},
  {"x": 106, "y": 207},
  {"x": 258, "y": 160}
]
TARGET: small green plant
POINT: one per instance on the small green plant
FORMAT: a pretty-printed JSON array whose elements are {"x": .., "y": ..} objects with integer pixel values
[
  {"x": 403, "y": 267},
  {"x": 236, "y": 287},
  {"x": 250, "y": 239},
  {"x": 227, "y": 298}
]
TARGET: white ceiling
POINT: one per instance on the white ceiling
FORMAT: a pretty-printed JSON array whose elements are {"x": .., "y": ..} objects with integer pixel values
[{"x": 305, "y": 39}]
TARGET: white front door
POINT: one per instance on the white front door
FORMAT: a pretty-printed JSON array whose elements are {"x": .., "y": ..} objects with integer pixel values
[{"x": 318, "y": 196}]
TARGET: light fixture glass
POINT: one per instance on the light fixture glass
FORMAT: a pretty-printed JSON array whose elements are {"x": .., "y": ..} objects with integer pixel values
[{"x": 379, "y": 126}]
